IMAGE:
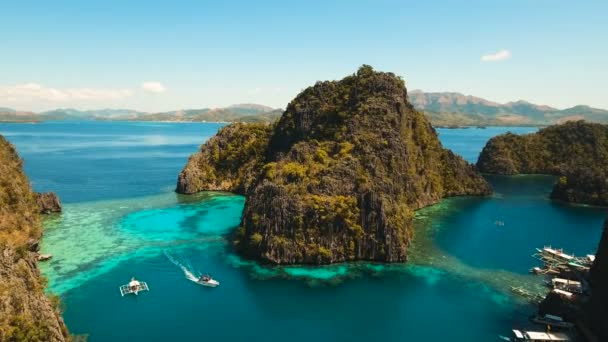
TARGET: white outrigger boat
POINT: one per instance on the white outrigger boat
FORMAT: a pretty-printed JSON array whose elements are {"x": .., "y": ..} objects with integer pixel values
[
  {"x": 133, "y": 287},
  {"x": 206, "y": 280},
  {"x": 539, "y": 336}
]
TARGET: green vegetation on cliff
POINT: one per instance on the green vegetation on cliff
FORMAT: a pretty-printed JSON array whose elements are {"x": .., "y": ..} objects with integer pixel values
[
  {"x": 337, "y": 178},
  {"x": 577, "y": 152},
  {"x": 26, "y": 314},
  {"x": 229, "y": 161}
]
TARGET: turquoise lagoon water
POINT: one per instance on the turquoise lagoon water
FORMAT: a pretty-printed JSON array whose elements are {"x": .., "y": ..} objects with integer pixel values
[{"x": 122, "y": 219}]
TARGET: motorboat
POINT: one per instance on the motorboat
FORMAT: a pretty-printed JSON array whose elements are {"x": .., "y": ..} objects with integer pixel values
[
  {"x": 133, "y": 287},
  {"x": 206, "y": 280}
]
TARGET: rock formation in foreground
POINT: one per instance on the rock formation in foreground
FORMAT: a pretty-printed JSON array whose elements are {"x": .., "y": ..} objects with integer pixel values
[
  {"x": 577, "y": 152},
  {"x": 48, "y": 202},
  {"x": 597, "y": 310},
  {"x": 26, "y": 314},
  {"x": 337, "y": 178}
]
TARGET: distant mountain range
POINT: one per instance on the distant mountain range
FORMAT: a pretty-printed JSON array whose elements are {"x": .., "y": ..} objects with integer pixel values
[
  {"x": 443, "y": 109},
  {"x": 448, "y": 108},
  {"x": 234, "y": 113}
]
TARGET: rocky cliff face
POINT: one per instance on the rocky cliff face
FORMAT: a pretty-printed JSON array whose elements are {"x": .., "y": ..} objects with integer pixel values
[
  {"x": 26, "y": 314},
  {"x": 575, "y": 151},
  {"x": 337, "y": 178},
  {"x": 229, "y": 161},
  {"x": 598, "y": 305},
  {"x": 48, "y": 202}
]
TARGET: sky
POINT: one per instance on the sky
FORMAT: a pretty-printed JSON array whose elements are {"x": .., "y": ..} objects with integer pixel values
[{"x": 157, "y": 56}]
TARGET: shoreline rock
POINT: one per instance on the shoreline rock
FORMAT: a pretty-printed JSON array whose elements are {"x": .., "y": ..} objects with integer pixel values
[{"x": 48, "y": 202}]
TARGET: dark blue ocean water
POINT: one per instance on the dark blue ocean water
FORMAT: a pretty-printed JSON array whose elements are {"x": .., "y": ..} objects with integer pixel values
[
  {"x": 122, "y": 220},
  {"x": 88, "y": 161}
]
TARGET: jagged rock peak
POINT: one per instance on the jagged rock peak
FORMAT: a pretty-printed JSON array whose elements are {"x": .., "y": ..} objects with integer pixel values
[{"x": 337, "y": 178}]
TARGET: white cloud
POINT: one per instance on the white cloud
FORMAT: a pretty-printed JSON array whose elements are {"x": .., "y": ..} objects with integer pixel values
[
  {"x": 498, "y": 56},
  {"x": 34, "y": 91},
  {"x": 153, "y": 87}
]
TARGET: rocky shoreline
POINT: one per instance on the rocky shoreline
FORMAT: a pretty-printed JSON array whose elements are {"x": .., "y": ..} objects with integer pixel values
[{"x": 26, "y": 313}]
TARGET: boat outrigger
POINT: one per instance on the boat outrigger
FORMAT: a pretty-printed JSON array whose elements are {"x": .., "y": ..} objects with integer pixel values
[
  {"x": 134, "y": 287},
  {"x": 206, "y": 280}
]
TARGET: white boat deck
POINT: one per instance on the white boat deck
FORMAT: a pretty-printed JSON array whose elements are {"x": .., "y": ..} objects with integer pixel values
[
  {"x": 540, "y": 336},
  {"x": 559, "y": 253},
  {"x": 563, "y": 293}
]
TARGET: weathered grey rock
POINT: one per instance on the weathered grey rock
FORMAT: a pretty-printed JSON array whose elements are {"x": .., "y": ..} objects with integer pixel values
[{"x": 48, "y": 202}]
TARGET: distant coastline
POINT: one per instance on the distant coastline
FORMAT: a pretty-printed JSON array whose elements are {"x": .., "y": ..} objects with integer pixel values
[{"x": 444, "y": 110}]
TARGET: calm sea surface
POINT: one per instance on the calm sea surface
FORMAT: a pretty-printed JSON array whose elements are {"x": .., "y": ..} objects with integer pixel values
[{"x": 122, "y": 219}]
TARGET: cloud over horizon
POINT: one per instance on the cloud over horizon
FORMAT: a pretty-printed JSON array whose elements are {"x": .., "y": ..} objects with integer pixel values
[
  {"x": 153, "y": 87},
  {"x": 496, "y": 57},
  {"x": 35, "y": 91}
]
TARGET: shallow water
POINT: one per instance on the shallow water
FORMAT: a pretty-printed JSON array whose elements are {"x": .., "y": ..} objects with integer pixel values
[{"x": 128, "y": 222}]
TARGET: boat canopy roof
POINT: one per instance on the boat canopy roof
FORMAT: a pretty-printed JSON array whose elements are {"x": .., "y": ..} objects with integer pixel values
[
  {"x": 566, "y": 281},
  {"x": 555, "y": 318},
  {"x": 562, "y": 292},
  {"x": 558, "y": 253},
  {"x": 542, "y": 336},
  {"x": 518, "y": 334}
]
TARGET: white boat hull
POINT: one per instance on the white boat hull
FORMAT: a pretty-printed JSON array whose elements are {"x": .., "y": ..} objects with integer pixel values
[{"x": 210, "y": 283}]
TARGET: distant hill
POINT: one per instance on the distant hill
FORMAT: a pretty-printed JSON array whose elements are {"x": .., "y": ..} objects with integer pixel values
[
  {"x": 6, "y": 110},
  {"x": 443, "y": 109},
  {"x": 98, "y": 114},
  {"x": 447, "y": 108},
  {"x": 234, "y": 113},
  {"x": 12, "y": 115}
]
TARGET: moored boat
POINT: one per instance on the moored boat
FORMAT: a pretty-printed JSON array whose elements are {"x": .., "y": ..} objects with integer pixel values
[
  {"x": 537, "y": 336},
  {"x": 552, "y": 320}
]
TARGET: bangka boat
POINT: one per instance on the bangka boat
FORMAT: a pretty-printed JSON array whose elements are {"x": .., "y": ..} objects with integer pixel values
[
  {"x": 206, "y": 280},
  {"x": 554, "y": 321},
  {"x": 567, "y": 285},
  {"x": 538, "y": 336},
  {"x": 133, "y": 287},
  {"x": 555, "y": 253}
]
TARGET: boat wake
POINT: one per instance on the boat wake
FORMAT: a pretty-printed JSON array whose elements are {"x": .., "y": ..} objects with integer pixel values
[{"x": 185, "y": 266}]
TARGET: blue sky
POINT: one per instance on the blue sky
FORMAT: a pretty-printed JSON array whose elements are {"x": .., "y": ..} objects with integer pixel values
[{"x": 166, "y": 55}]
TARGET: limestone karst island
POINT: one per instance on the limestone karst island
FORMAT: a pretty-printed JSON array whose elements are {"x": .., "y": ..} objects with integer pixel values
[{"x": 304, "y": 171}]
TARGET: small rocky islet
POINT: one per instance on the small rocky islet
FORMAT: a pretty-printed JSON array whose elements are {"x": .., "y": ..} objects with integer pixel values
[
  {"x": 337, "y": 178},
  {"x": 576, "y": 152}
]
